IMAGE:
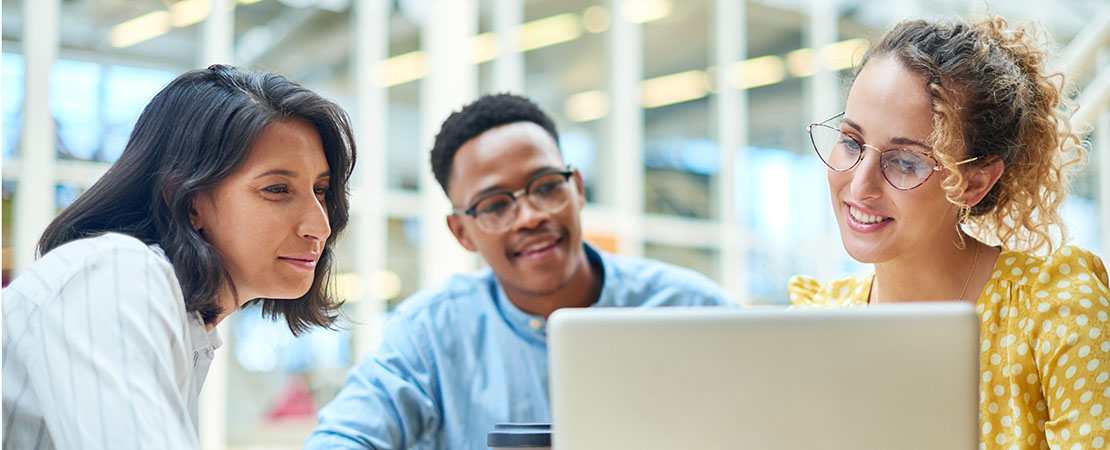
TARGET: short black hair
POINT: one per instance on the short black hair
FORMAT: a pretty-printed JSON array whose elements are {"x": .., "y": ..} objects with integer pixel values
[
  {"x": 194, "y": 134},
  {"x": 489, "y": 111}
]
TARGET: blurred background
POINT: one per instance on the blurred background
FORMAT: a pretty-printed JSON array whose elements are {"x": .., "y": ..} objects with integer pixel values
[{"x": 686, "y": 117}]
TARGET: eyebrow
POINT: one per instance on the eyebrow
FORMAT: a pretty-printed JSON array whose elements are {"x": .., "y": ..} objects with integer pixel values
[
  {"x": 502, "y": 188},
  {"x": 895, "y": 141},
  {"x": 290, "y": 173}
]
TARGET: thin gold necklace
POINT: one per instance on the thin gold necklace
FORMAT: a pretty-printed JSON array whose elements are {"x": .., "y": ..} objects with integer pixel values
[
  {"x": 974, "y": 259},
  {"x": 969, "y": 272}
]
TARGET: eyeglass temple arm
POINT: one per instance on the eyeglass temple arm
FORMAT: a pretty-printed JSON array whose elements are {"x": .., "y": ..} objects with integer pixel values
[{"x": 833, "y": 117}]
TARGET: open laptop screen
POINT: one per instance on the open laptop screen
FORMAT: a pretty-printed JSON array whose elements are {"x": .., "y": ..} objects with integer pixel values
[{"x": 899, "y": 376}]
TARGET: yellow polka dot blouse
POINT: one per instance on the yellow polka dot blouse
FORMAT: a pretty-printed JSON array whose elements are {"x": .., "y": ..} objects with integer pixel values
[{"x": 1045, "y": 351}]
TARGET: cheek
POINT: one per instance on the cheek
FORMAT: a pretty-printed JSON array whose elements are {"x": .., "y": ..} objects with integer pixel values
[
  {"x": 837, "y": 181},
  {"x": 489, "y": 246}
]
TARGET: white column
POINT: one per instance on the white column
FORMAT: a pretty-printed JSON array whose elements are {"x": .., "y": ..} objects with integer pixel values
[
  {"x": 450, "y": 83},
  {"x": 218, "y": 34},
  {"x": 35, "y": 199},
  {"x": 370, "y": 43},
  {"x": 823, "y": 101},
  {"x": 217, "y": 40},
  {"x": 508, "y": 68},
  {"x": 626, "y": 134},
  {"x": 1102, "y": 149},
  {"x": 730, "y": 30}
]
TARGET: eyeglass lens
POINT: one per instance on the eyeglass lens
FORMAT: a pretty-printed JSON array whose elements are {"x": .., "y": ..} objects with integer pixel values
[
  {"x": 903, "y": 169},
  {"x": 548, "y": 193}
]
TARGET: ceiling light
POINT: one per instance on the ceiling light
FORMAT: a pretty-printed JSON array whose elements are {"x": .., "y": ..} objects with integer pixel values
[
  {"x": 640, "y": 11},
  {"x": 845, "y": 54},
  {"x": 596, "y": 19},
  {"x": 139, "y": 29},
  {"x": 757, "y": 72},
  {"x": 484, "y": 47},
  {"x": 587, "y": 106},
  {"x": 188, "y": 12},
  {"x": 676, "y": 88},
  {"x": 800, "y": 62},
  {"x": 399, "y": 69},
  {"x": 549, "y": 31}
]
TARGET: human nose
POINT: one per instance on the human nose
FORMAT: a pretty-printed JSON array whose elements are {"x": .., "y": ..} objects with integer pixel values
[
  {"x": 314, "y": 224},
  {"x": 867, "y": 177},
  {"x": 527, "y": 215}
]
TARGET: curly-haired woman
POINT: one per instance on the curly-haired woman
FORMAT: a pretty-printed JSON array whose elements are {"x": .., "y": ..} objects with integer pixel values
[{"x": 947, "y": 170}]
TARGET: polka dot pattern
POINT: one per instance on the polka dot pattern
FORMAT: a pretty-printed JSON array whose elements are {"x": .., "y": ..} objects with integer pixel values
[{"x": 1044, "y": 347}]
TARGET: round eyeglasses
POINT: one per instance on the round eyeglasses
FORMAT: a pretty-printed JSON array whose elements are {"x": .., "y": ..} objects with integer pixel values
[
  {"x": 547, "y": 192},
  {"x": 903, "y": 168}
]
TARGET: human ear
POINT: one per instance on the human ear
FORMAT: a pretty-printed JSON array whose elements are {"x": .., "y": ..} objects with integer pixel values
[
  {"x": 981, "y": 179},
  {"x": 458, "y": 229},
  {"x": 199, "y": 207},
  {"x": 579, "y": 187}
]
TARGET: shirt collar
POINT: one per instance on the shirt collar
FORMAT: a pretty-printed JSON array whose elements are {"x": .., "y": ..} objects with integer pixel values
[
  {"x": 534, "y": 327},
  {"x": 200, "y": 337}
]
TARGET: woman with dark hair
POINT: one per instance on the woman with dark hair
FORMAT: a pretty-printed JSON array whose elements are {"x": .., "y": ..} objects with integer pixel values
[
  {"x": 947, "y": 171},
  {"x": 231, "y": 190}
]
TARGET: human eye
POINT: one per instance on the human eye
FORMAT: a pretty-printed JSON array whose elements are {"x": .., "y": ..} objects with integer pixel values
[
  {"x": 546, "y": 187},
  {"x": 276, "y": 189},
  {"x": 907, "y": 163},
  {"x": 848, "y": 144},
  {"x": 320, "y": 190},
  {"x": 494, "y": 205}
]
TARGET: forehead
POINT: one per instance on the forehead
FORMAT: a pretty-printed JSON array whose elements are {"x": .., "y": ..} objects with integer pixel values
[
  {"x": 504, "y": 156},
  {"x": 888, "y": 100},
  {"x": 293, "y": 144}
]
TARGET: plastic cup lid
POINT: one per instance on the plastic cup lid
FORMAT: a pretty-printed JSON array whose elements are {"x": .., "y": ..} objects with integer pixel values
[{"x": 520, "y": 435}]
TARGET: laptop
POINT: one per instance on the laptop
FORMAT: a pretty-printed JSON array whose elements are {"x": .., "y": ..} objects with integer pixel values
[{"x": 889, "y": 377}]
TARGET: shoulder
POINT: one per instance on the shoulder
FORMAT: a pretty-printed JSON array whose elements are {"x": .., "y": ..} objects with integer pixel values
[
  {"x": 107, "y": 256},
  {"x": 110, "y": 272},
  {"x": 645, "y": 275},
  {"x": 1071, "y": 274},
  {"x": 806, "y": 291},
  {"x": 460, "y": 297}
]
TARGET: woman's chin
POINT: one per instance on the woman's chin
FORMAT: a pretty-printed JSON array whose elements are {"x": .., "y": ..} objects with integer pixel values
[{"x": 866, "y": 252}]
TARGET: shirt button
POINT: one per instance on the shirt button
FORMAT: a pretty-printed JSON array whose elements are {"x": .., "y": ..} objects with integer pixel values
[{"x": 535, "y": 324}]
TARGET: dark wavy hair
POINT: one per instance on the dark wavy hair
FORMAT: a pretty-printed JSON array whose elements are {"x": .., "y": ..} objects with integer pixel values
[
  {"x": 994, "y": 95},
  {"x": 489, "y": 111},
  {"x": 194, "y": 134}
]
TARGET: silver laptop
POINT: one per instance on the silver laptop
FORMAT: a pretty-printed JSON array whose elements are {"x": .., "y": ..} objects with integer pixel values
[{"x": 890, "y": 377}]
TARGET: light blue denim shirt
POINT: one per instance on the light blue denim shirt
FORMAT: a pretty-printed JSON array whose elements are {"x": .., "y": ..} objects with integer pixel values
[{"x": 459, "y": 357}]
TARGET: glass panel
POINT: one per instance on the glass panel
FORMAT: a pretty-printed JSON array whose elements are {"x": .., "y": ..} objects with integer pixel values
[
  {"x": 128, "y": 89},
  {"x": 12, "y": 99},
  {"x": 75, "y": 98},
  {"x": 565, "y": 74},
  {"x": 406, "y": 153},
  {"x": 703, "y": 260},
  {"x": 680, "y": 154},
  {"x": 403, "y": 258}
]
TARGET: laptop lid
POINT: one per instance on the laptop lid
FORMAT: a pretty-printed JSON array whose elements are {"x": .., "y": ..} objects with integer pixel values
[{"x": 898, "y": 376}]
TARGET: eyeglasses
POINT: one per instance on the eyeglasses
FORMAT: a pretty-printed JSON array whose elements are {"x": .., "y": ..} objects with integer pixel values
[
  {"x": 903, "y": 168},
  {"x": 495, "y": 212}
]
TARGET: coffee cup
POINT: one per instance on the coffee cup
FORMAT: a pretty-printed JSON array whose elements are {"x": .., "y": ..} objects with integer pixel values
[{"x": 533, "y": 436}]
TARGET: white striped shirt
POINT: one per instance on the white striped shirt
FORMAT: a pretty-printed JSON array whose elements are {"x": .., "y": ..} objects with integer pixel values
[{"x": 99, "y": 351}]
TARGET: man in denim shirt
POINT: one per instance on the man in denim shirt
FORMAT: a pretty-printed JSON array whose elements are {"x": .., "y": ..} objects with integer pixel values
[{"x": 459, "y": 357}]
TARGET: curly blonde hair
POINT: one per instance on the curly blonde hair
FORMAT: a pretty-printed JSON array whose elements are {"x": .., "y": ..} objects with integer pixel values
[{"x": 992, "y": 97}]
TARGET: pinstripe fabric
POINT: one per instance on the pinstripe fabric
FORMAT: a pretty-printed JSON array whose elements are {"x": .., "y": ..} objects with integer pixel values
[{"x": 98, "y": 351}]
